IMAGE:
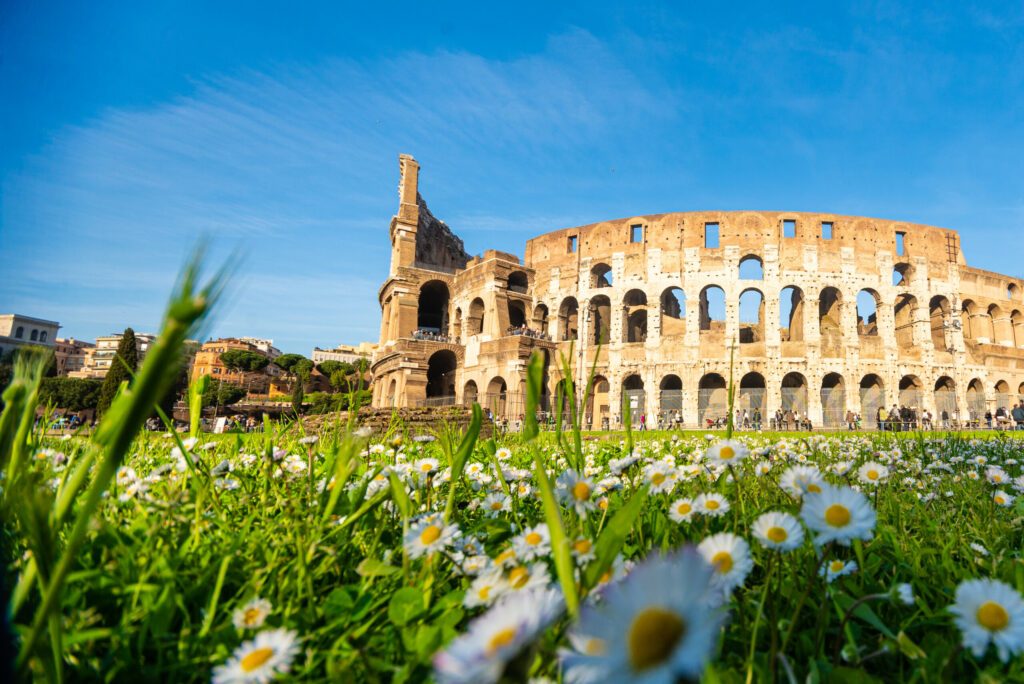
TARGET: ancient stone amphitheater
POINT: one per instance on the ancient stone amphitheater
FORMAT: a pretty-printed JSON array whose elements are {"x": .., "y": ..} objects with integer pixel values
[{"x": 822, "y": 315}]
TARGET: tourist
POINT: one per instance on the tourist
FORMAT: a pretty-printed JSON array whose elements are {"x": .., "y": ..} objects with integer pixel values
[
  {"x": 988, "y": 419},
  {"x": 881, "y": 418},
  {"x": 849, "y": 420},
  {"x": 1018, "y": 415},
  {"x": 757, "y": 419}
]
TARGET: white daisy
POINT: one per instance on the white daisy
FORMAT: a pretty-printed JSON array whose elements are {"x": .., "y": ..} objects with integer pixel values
[
  {"x": 872, "y": 473},
  {"x": 429, "y": 534},
  {"x": 576, "y": 491},
  {"x": 1002, "y": 498},
  {"x": 497, "y": 637},
  {"x": 656, "y": 625},
  {"x": 778, "y": 531},
  {"x": 661, "y": 478},
  {"x": 486, "y": 589},
  {"x": 836, "y": 568},
  {"x": 713, "y": 504},
  {"x": 838, "y": 514},
  {"x": 729, "y": 555},
  {"x": 496, "y": 503},
  {"x": 522, "y": 578},
  {"x": 989, "y": 611},
  {"x": 503, "y": 453},
  {"x": 798, "y": 481},
  {"x": 252, "y": 614},
  {"x": 583, "y": 550},
  {"x": 258, "y": 661},
  {"x": 728, "y": 452},
  {"x": 682, "y": 510},
  {"x": 904, "y": 593},
  {"x": 534, "y": 542}
]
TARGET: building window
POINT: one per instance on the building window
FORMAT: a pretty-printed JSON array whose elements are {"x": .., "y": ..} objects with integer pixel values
[
  {"x": 20, "y": 332},
  {"x": 826, "y": 230},
  {"x": 901, "y": 246},
  {"x": 636, "y": 233},
  {"x": 711, "y": 236},
  {"x": 35, "y": 335},
  {"x": 789, "y": 228},
  {"x": 572, "y": 243},
  {"x": 42, "y": 336}
]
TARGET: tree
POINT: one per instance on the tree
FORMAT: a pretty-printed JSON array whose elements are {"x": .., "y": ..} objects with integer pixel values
[
  {"x": 287, "y": 362},
  {"x": 73, "y": 394},
  {"x": 219, "y": 393},
  {"x": 243, "y": 360},
  {"x": 122, "y": 368},
  {"x": 298, "y": 393},
  {"x": 329, "y": 368}
]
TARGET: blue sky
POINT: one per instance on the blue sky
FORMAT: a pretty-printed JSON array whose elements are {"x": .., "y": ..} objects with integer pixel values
[{"x": 130, "y": 130}]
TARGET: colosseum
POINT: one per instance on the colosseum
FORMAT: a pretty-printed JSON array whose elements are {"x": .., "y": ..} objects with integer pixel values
[{"x": 822, "y": 315}]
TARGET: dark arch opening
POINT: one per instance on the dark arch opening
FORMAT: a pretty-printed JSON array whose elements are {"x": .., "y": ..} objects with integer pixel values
[
  {"x": 432, "y": 312},
  {"x": 441, "y": 374}
]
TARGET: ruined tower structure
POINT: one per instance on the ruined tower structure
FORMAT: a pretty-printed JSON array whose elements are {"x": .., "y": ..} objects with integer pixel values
[{"x": 821, "y": 313}]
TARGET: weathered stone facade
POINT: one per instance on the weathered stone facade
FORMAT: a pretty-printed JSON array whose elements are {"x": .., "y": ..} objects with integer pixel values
[{"x": 839, "y": 313}]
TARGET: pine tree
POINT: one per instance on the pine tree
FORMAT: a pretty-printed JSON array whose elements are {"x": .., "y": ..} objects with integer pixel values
[{"x": 127, "y": 359}]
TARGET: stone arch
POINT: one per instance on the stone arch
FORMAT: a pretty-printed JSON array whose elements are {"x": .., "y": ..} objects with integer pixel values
[
  {"x": 497, "y": 396},
  {"x": 868, "y": 304},
  {"x": 475, "y": 323},
  {"x": 902, "y": 274},
  {"x": 794, "y": 393},
  {"x": 35, "y": 335},
  {"x": 432, "y": 307},
  {"x": 911, "y": 392},
  {"x": 1002, "y": 332},
  {"x": 939, "y": 319},
  {"x": 441, "y": 370},
  {"x": 392, "y": 392},
  {"x": 751, "y": 306},
  {"x": 830, "y": 321},
  {"x": 791, "y": 314},
  {"x": 457, "y": 324},
  {"x": 712, "y": 308},
  {"x": 872, "y": 396},
  {"x": 1017, "y": 324},
  {"x": 975, "y": 399},
  {"x": 1012, "y": 291},
  {"x": 1002, "y": 394},
  {"x": 969, "y": 313},
  {"x": 945, "y": 398},
  {"x": 601, "y": 275},
  {"x": 753, "y": 395},
  {"x": 600, "y": 310},
  {"x": 516, "y": 313},
  {"x": 671, "y": 397},
  {"x": 673, "y": 312},
  {"x": 470, "y": 393},
  {"x": 751, "y": 268},
  {"x": 712, "y": 398},
  {"x": 634, "y": 313},
  {"x": 833, "y": 400},
  {"x": 540, "y": 317},
  {"x": 598, "y": 409},
  {"x": 519, "y": 282},
  {"x": 905, "y": 316},
  {"x": 633, "y": 393},
  {"x": 568, "y": 319}
]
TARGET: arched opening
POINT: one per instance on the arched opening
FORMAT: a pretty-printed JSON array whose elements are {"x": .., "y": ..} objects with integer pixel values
[
  {"x": 475, "y": 324},
  {"x": 516, "y": 313},
  {"x": 975, "y": 400},
  {"x": 794, "y": 394},
  {"x": 1002, "y": 332},
  {"x": 470, "y": 394},
  {"x": 904, "y": 314},
  {"x": 867, "y": 313},
  {"x": 393, "y": 393},
  {"x": 751, "y": 316},
  {"x": 791, "y": 314},
  {"x": 752, "y": 401},
  {"x": 1017, "y": 323},
  {"x": 901, "y": 274},
  {"x": 441, "y": 377},
  {"x": 833, "y": 400},
  {"x": 751, "y": 268},
  {"x": 969, "y": 313},
  {"x": 20, "y": 332},
  {"x": 598, "y": 409},
  {"x": 634, "y": 312},
  {"x": 945, "y": 400},
  {"x": 601, "y": 276},
  {"x": 518, "y": 282},
  {"x": 1002, "y": 389},
  {"x": 568, "y": 318},
  {"x": 42, "y": 336},
  {"x": 497, "y": 397},
  {"x": 432, "y": 311},
  {"x": 872, "y": 398},
  {"x": 633, "y": 394},
  {"x": 712, "y": 399},
  {"x": 939, "y": 311},
  {"x": 712, "y": 309},
  {"x": 600, "y": 308},
  {"x": 1012, "y": 291},
  {"x": 671, "y": 400},
  {"x": 540, "y": 318},
  {"x": 35, "y": 335},
  {"x": 911, "y": 392},
  {"x": 673, "y": 312},
  {"x": 457, "y": 324},
  {"x": 830, "y": 321}
]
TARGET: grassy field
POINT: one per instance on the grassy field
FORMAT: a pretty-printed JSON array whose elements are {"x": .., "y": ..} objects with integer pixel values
[{"x": 133, "y": 556}]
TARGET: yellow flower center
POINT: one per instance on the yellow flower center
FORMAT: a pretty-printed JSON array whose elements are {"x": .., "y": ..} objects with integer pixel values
[
  {"x": 495, "y": 505},
  {"x": 430, "y": 535},
  {"x": 426, "y": 467},
  {"x": 1000, "y": 500},
  {"x": 484, "y": 592},
  {"x": 711, "y": 504},
  {"x": 506, "y": 555},
  {"x": 250, "y": 616},
  {"x": 683, "y": 508},
  {"x": 722, "y": 561},
  {"x": 835, "y": 566},
  {"x": 603, "y": 504},
  {"x": 726, "y": 453},
  {"x": 581, "y": 490},
  {"x": 518, "y": 577},
  {"x": 837, "y": 515},
  {"x": 997, "y": 478},
  {"x": 872, "y": 474},
  {"x": 256, "y": 658},
  {"x": 993, "y": 616},
  {"x": 777, "y": 534},
  {"x": 582, "y": 545},
  {"x": 533, "y": 539},
  {"x": 653, "y": 637},
  {"x": 501, "y": 639},
  {"x": 658, "y": 478},
  {"x": 813, "y": 488}
]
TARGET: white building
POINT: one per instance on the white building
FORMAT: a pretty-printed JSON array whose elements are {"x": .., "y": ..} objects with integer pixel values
[
  {"x": 345, "y": 353},
  {"x": 98, "y": 359},
  {"x": 17, "y": 331}
]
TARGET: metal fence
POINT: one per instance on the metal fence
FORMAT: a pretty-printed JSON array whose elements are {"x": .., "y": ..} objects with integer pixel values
[
  {"x": 637, "y": 404},
  {"x": 833, "y": 407},
  {"x": 712, "y": 404},
  {"x": 794, "y": 399},
  {"x": 871, "y": 399}
]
